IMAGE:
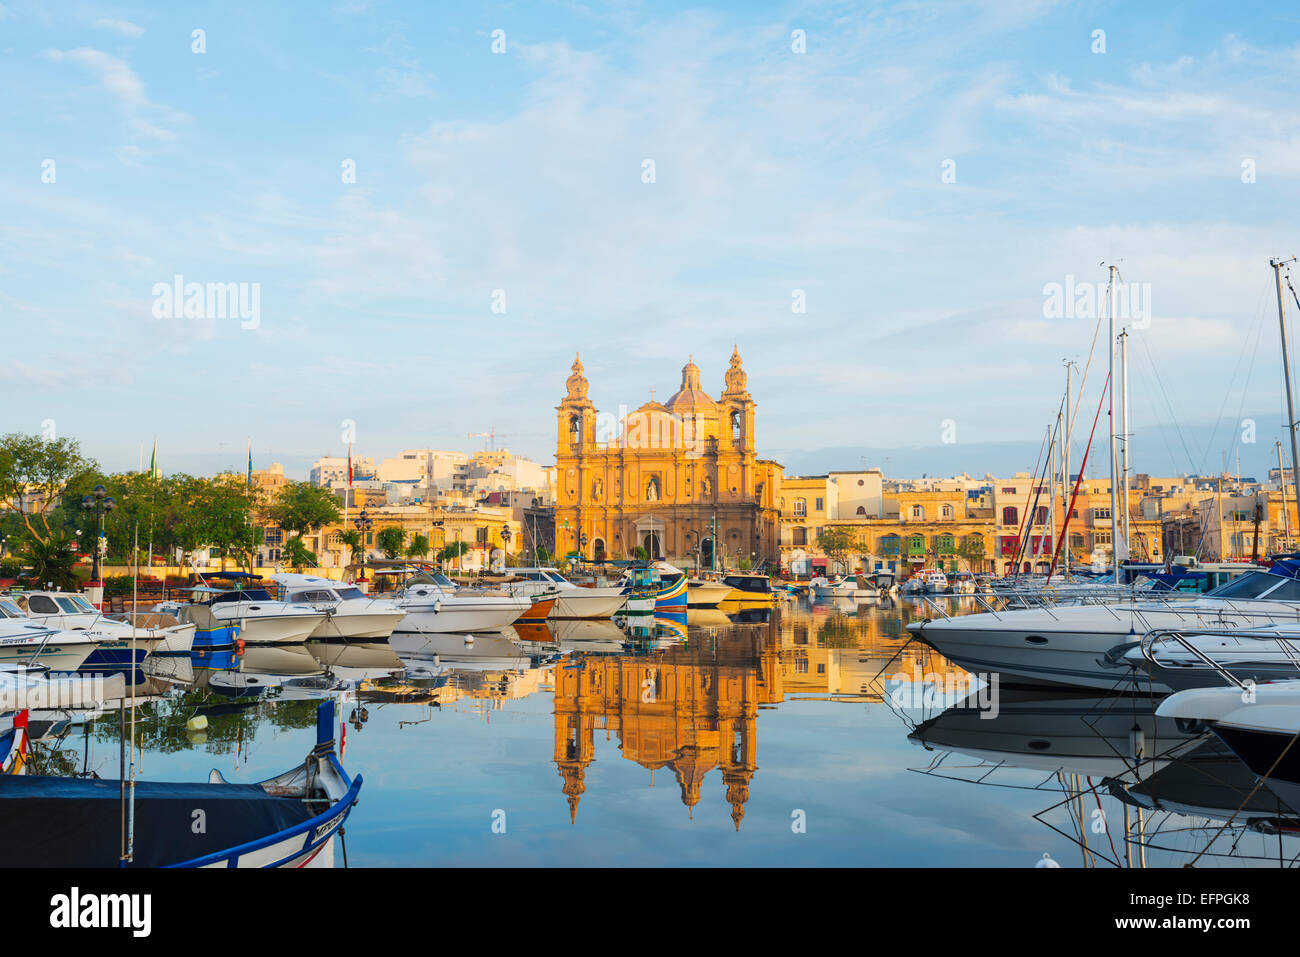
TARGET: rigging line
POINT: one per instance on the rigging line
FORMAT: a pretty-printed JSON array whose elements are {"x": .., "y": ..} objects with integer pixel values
[
  {"x": 1023, "y": 545},
  {"x": 1164, "y": 433},
  {"x": 1191, "y": 460},
  {"x": 1297, "y": 302},
  {"x": 1020, "y": 531},
  {"x": 1092, "y": 349},
  {"x": 1245, "y": 383},
  {"x": 1070, "y": 510},
  {"x": 1219, "y": 419}
]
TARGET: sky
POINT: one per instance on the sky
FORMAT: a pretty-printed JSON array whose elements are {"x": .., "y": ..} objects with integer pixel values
[{"x": 433, "y": 228}]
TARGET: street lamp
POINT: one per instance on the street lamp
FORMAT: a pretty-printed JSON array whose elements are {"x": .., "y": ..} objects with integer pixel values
[
  {"x": 101, "y": 503},
  {"x": 364, "y": 524}
]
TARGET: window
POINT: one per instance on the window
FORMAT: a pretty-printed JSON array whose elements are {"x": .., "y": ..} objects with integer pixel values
[
  {"x": 1008, "y": 491},
  {"x": 799, "y": 536},
  {"x": 820, "y": 504},
  {"x": 1100, "y": 538},
  {"x": 1099, "y": 513},
  {"x": 862, "y": 510},
  {"x": 1010, "y": 515},
  {"x": 42, "y": 605},
  {"x": 1040, "y": 515},
  {"x": 800, "y": 507},
  {"x": 918, "y": 512},
  {"x": 945, "y": 512}
]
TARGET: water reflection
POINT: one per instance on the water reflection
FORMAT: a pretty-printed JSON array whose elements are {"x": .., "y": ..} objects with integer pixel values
[{"x": 710, "y": 721}]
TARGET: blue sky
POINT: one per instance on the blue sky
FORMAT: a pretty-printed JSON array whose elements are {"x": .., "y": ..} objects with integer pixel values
[{"x": 522, "y": 172}]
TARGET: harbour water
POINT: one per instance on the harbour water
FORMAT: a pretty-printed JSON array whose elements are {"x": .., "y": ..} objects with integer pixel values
[{"x": 759, "y": 737}]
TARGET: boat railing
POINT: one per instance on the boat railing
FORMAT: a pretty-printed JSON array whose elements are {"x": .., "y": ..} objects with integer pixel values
[{"x": 1182, "y": 636}]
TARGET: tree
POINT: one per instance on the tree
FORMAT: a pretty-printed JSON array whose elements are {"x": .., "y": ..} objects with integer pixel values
[
  {"x": 352, "y": 539},
  {"x": 390, "y": 541},
  {"x": 837, "y": 542},
  {"x": 452, "y": 551},
  {"x": 419, "y": 546},
  {"x": 224, "y": 511},
  {"x": 640, "y": 554},
  {"x": 34, "y": 474},
  {"x": 301, "y": 507},
  {"x": 296, "y": 554},
  {"x": 972, "y": 549},
  {"x": 52, "y": 560}
]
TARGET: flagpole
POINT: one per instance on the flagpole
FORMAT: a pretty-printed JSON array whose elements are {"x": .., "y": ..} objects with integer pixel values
[{"x": 346, "y": 496}]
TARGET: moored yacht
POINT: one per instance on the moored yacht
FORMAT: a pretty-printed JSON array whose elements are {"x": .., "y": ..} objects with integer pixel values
[
  {"x": 1260, "y": 731},
  {"x": 571, "y": 600},
  {"x": 703, "y": 593},
  {"x": 349, "y": 612},
  {"x": 261, "y": 618},
  {"x": 24, "y": 641},
  {"x": 1068, "y": 645},
  {"x": 122, "y": 644},
  {"x": 431, "y": 608}
]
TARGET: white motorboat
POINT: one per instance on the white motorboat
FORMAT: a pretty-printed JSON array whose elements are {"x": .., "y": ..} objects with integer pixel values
[
  {"x": 349, "y": 613},
  {"x": 1068, "y": 645},
  {"x": 24, "y": 641},
  {"x": 703, "y": 593},
  {"x": 962, "y": 583},
  {"x": 261, "y": 619},
  {"x": 1207, "y": 660},
  {"x": 571, "y": 600},
  {"x": 1259, "y": 724},
  {"x": 147, "y": 634},
  {"x": 430, "y": 608}
]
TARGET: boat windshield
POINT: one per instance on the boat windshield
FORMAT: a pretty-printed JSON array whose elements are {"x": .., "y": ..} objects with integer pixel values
[
  {"x": 1250, "y": 585},
  {"x": 350, "y": 592},
  {"x": 247, "y": 594},
  {"x": 9, "y": 610},
  {"x": 71, "y": 606}
]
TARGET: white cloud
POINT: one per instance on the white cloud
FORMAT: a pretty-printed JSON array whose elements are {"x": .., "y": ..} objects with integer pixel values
[
  {"x": 124, "y": 27},
  {"x": 123, "y": 84}
]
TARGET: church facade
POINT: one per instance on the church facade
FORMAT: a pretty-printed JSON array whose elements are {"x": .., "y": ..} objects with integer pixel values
[{"x": 680, "y": 479}]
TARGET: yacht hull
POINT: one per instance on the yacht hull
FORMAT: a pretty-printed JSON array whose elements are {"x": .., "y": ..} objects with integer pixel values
[
  {"x": 274, "y": 629},
  {"x": 365, "y": 625}
]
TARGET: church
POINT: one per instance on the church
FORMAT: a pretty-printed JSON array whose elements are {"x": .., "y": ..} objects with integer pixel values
[{"x": 679, "y": 479}]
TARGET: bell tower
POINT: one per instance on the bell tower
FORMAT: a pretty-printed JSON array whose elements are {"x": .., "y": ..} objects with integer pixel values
[
  {"x": 737, "y": 405},
  {"x": 576, "y": 422}
]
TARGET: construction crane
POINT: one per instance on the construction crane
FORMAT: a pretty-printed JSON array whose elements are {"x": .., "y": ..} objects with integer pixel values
[{"x": 491, "y": 436}]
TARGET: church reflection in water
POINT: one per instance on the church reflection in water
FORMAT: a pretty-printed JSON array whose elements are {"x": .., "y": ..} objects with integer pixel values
[{"x": 692, "y": 708}]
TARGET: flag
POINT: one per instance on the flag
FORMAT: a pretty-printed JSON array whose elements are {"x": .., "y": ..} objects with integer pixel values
[
  {"x": 349, "y": 465},
  {"x": 250, "y": 460}
]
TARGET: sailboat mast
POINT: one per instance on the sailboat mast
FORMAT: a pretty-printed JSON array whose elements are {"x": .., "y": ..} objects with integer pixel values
[
  {"x": 1277, "y": 265},
  {"x": 1123, "y": 419},
  {"x": 1286, "y": 516},
  {"x": 1065, "y": 458},
  {"x": 1110, "y": 398}
]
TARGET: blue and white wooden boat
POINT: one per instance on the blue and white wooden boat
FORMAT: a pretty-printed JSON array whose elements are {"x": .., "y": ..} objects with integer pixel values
[
  {"x": 670, "y": 587},
  {"x": 286, "y": 821}
]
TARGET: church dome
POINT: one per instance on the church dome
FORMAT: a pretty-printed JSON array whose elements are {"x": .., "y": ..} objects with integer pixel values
[{"x": 690, "y": 398}]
